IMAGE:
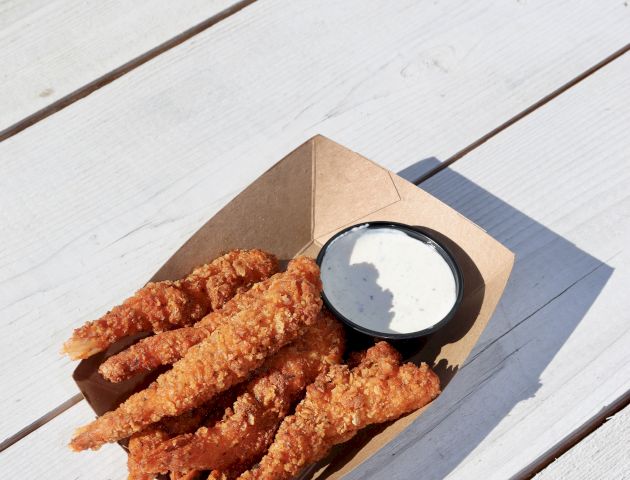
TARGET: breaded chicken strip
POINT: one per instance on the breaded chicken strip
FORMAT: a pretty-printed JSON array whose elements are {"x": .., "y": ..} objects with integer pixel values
[
  {"x": 168, "y": 347},
  {"x": 192, "y": 475},
  {"x": 243, "y": 436},
  {"x": 139, "y": 442},
  {"x": 280, "y": 315},
  {"x": 165, "y": 305},
  {"x": 151, "y": 438},
  {"x": 340, "y": 403},
  {"x": 146, "y": 440},
  {"x": 217, "y": 475}
]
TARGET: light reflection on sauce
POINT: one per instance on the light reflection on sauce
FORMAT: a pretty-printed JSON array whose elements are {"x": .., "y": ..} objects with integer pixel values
[{"x": 387, "y": 281}]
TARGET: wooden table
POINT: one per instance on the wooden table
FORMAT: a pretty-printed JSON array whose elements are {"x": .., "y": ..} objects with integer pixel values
[{"x": 126, "y": 126}]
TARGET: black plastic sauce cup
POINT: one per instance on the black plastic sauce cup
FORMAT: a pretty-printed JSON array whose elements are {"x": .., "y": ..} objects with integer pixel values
[{"x": 419, "y": 234}]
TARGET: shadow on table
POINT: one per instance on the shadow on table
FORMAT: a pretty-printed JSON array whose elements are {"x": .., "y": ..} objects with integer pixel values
[{"x": 546, "y": 263}]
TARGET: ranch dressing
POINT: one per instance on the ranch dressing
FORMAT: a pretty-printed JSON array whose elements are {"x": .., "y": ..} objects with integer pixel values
[{"x": 387, "y": 281}]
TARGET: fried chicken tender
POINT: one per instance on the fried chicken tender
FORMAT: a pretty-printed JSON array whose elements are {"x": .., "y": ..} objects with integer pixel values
[
  {"x": 340, "y": 403},
  {"x": 192, "y": 475},
  {"x": 242, "y": 437},
  {"x": 217, "y": 475},
  {"x": 138, "y": 443},
  {"x": 164, "y": 348},
  {"x": 280, "y": 315},
  {"x": 155, "y": 435},
  {"x": 168, "y": 347},
  {"x": 165, "y": 305}
]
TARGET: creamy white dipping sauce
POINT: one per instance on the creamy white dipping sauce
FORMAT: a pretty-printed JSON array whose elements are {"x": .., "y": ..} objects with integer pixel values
[{"x": 385, "y": 280}]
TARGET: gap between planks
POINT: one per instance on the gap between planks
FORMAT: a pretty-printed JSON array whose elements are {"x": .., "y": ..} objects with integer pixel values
[
  {"x": 543, "y": 101},
  {"x": 44, "y": 419},
  {"x": 118, "y": 72},
  {"x": 574, "y": 438},
  {"x": 530, "y": 470}
]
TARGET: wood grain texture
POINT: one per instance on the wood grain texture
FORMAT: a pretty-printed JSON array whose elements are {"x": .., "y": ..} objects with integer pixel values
[
  {"x": 97, "y": 196},
  {"x": 49, "y": 49},
  {"x": 603, "y": 454},
  {"x": 554, "y": 189},
  {"x": 46, "y": 454}
]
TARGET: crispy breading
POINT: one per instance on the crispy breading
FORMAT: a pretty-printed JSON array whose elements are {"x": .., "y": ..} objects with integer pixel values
[
  {"x": 168, "y": 347},
  {"x": 280, "y": 314},
  {"x": 156, "y": 434},
  {"x": 216, "y": 475},
  {"x": 243, "y": 436},
  {"x": 165, "y": 305},
  {"x": 191, "y": 475},
  {"x": 161, "y": 349},
  {"x": 138, "y": 443},
  {"x": 340, "y": 403}
]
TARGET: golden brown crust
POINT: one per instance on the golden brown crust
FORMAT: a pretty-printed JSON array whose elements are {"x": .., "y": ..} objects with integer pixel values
[
  {"x": 217, "y": 475},
  {"x": 341, "y": 402},
  {"x": 148, "y": 354},
  {"x": 139, "y": 443},
  {"x": 151, "y": 438},
  {"x": 164, "y": 305},
  {"x": 280, "y": 315},
  {"x": 168, "y": 347},
  {"x": 191, "y": 475},
  {"x": 242, "y": 437}
]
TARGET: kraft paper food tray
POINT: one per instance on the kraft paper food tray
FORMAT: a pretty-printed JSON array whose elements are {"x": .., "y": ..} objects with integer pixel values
[{"x": 293, "y": 208}]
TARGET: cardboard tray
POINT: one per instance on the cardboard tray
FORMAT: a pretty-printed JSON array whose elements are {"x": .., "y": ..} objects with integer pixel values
[{"x": 293, "y": 208}]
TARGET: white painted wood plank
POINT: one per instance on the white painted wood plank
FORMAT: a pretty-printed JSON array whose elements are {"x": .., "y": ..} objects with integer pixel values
[
  {"x": 603, "y": 454},
  {"x": 49, "y": 49},
  {"x": 554, "y": 189},
  {"x": 96, "y": 197},
  {"x": 46, "y": 455}
]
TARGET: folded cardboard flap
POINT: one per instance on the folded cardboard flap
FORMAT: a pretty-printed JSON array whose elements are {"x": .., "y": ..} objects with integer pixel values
[{"x": 293, "y": 208}]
